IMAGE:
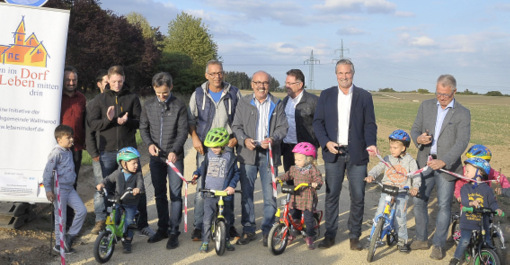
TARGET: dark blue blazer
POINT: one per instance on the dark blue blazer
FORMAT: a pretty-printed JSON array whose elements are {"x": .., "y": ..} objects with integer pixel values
[{"x": 362, "y": 126}]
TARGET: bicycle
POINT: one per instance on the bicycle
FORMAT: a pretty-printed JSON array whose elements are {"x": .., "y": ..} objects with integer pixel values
[
  {"x": 497, "y": 237},
  {"x": 384, "y": 223},
  {"x": 286, "y": 226},
  {"x": 478, "y": 252},
  {"x": 218, "y": 223},
  {"x": 104, "y": 245}
]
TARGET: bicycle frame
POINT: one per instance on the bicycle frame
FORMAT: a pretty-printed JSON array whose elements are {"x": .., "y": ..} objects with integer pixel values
[
  {"x": 117, "y": 230},
  {"x": 389, "y": 209}
]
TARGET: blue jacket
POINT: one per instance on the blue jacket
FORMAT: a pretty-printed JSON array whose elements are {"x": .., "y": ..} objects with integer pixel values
[
  {"x": 233, "y": 174},
  {"x": 362, "y": 126}
]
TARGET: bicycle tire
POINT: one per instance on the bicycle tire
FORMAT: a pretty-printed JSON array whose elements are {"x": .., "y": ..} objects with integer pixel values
[
  {"x": 453, "y": 231},
  {"x": 278, "y": 236},
  {"x": 213, "y": 228},
  {"x": 220, "y": 237},
  {"x": 375, "y": 237},
  {"x": 104, "y": 246},
  {"x": 487, "y": 256}
]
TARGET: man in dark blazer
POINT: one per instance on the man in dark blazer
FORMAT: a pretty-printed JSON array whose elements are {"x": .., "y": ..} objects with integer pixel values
[
  {"x": 344, "y": 124},
  {"x": 299, "y": 110},
  {"x": 441, "y": 129}
]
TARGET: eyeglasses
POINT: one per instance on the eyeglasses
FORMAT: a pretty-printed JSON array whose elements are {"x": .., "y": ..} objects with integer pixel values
[
  {"x": 216, "y": 74},
  {"x": 444, "y": 95},
  {"x": 291, "y": 84},
  {"x": 257, "y": 83}
]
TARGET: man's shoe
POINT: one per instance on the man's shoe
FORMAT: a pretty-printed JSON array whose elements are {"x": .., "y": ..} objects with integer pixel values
[
  {"x": 355, "y": 245},
  {"x": 233, "y": 232},
  {"x": 204, "y": 248},
  {"x": 327, "y": 242},
  {"x": 264, "y": 240},
  {"x": 419, "y": 244},
  {"x": 56, "y": 249},
  {"x": 196, "y": 235},
  {"x": 157, "y": 237},
  {"x": 437, "y": 253},
  {"x": 147, "y": 231},
  {"x": 173, "y": 241},
  {"x": 246, "y": 238},
  {"x": 100, "y": 225},
  {"x": 404, "y": 248},
  {"x": 229, "y": 246}
]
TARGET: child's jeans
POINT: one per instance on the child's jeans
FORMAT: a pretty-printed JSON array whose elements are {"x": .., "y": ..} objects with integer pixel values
[
  {"x": 465, "y": 236},
  {"x": 69, "y": 197},
  {"x": 210, "y": 206},
  {"x": 130, "y": 215},
  {"x": 309, "y": 221},
  {"x": 400, "y": 213}
]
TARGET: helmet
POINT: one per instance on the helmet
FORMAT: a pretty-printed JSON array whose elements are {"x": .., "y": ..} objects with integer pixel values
[
  {"x": 127, "y": 153},
  {"x": 479, "y": 163},
  {"x": 480, "y": 151},
  {"x": 401, "y": 135},
  {"x": 305, "y": 148},
  {"x": 217, "y": 137}
]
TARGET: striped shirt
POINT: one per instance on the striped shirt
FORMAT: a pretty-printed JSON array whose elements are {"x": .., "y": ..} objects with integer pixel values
[{"x": 263, "y": 118}]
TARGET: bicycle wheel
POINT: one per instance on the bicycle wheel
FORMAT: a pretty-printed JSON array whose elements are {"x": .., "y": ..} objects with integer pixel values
[
  {"x": 487, "y": 256},
  {"x": 104, "y": 246},
  {"x": 376, "y": 236},
  {"x": 213, "y": 227},
  {"x": 455, "y": 231},
  {"x": 220, "y": 234},
  {"x": 391, "y": 238},
  {"x": 278, "y": 236}
]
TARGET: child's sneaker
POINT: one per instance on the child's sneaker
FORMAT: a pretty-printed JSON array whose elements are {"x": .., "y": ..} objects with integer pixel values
[
  {"x": 68, "y": 241},
  {"x": 229, "y": 246},
  {"x": 403, "y": 246},
  {"x": 309, "y": 242},
  {"x": 204, "y": 248},
  {"x": 56, "y": 248},
  {"x": 454, "y": 261}
]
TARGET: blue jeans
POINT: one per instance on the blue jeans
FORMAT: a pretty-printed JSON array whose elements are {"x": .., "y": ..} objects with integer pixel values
[
  {"x": 108, "y": 162},
  {"x": 248, "y": 177},
  {"x": 130, "y": 215},
  {"x": 199, "y": 197},
  {"x": 444, "y": 197},
  {"x": 465, "y": 236},
  {"x": 159, "y": 174},
  {"x": 335, "y": 173},
  {"x": 400, "y": 221},
  {"x": 99, "y": 202}
]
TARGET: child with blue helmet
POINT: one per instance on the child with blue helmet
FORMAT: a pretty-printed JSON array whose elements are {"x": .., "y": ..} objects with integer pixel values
[
  {"x": 401, "y": 164},
  {"x": 478, "y": 194}
]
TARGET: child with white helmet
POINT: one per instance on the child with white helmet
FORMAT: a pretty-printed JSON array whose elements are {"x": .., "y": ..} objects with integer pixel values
[
  {"x": 305, "y": 171},
  {"x": 401, "y": 164}
]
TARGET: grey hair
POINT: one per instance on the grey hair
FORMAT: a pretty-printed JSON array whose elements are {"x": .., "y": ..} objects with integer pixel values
[
  {"x": 162, "y": 78},
  {"x": 447, "y": 81},
  {"x": 213, "y": 62},
  {"x": 345, "y": 61}
]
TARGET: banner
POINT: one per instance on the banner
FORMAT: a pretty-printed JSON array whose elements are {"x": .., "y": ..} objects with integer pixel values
[{"x": 32, "y": 59}]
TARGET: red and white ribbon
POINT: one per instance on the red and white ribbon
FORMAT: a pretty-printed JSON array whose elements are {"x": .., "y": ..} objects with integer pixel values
[
  {"x": 185, "y": 193},
  {"x": 60, "y": 226},
  {"x": 273, "y": 176},
  {"x": 388, "y": 165}
]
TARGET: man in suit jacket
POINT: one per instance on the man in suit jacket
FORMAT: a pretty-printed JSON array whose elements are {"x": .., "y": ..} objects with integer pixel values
[
  {"x": 344, "y": 124},
  {"x": 299, "y": 110},
  {"x": 441, "y": 129}
]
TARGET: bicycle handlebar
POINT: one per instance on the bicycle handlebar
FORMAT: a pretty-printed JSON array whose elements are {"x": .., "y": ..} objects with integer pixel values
[
  {"x": 482, "y": 210},
  {"x": 218, "y": 192}
]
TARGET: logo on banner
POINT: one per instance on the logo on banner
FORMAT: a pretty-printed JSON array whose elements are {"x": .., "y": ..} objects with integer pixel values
[
  {"x": 25, "y": 50},
  {"x": 27, "y": 2}
]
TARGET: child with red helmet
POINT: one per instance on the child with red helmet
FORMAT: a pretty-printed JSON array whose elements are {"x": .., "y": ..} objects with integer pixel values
[
  {"x": 401, "y": 164},
  {"x": 305, "y": 171}
]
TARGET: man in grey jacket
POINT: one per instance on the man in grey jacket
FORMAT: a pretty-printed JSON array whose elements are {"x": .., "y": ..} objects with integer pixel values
[
  {"x": 259, "y": 122},
  {"x": 164, "y": 129},
  {"x": 212, "y": 105},
  {"x": 441, "y": 130}
]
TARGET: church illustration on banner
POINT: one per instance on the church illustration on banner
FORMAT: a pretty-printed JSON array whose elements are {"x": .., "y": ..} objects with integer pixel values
[{"x": 25, "y": 51}]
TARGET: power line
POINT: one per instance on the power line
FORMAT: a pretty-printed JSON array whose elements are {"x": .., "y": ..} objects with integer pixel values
[
  {"x": 311, "y": 61},
  {"x": 341, "y": 50}
]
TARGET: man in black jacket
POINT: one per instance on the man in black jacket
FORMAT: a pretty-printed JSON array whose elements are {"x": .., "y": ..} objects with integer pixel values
[{"x": 164, "y": 129}]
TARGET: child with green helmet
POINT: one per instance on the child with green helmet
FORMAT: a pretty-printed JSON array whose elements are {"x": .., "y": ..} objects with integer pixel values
[
  {"x": 219, "y": 171},
  {"x": 128, "y": 176}
]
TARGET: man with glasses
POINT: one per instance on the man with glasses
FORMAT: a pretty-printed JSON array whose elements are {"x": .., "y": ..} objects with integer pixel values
[
  {"x": 299, "y": 109},
  {"x": 212, "y": 105},
  {"x": 259, "y": 122},
  {"x": 441, "y": 130},
  {"x": 344, "y": 124}
]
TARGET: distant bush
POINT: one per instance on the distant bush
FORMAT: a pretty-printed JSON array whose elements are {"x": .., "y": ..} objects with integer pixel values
[
  {"x": 388, "y": 89},
  {"x": 422, "y": 91},
  {"x": 494, "y": 93},
  {"x": 467, "y": 92}
]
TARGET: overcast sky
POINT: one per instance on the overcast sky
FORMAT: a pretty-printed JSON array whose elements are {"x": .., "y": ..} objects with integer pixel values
[{"x": 401, "y": 44}]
